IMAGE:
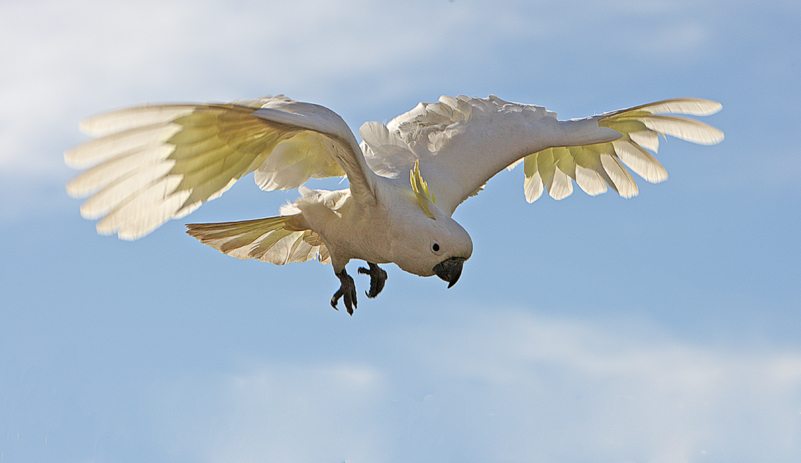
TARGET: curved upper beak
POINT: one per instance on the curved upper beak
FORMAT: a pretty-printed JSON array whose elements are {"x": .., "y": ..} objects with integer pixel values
[{"x": 450, "y": 269}]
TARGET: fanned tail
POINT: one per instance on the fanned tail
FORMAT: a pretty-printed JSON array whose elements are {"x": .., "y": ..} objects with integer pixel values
[{"x": 278, "y": 240}]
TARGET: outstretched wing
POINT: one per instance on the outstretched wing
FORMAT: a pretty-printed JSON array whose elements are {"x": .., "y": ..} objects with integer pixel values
[
  {"x": 594, "y": 166},
  {"x": 462, "y": 142},
  {"x": 153, "y": 163}
]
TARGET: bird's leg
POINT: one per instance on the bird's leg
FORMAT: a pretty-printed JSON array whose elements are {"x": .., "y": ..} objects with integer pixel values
[
  {"x": 377, "y": 279},
  {"x": 347, "y": 289}
]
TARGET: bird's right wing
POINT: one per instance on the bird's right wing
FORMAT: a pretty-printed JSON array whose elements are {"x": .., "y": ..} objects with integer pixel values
[
  {"x": 457, "y": 144},
  {"x": 593, "y": 166},
  {"x": 153, "y": 163}
]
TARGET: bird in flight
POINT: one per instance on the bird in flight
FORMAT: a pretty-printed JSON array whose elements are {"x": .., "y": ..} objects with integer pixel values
[{"x": 153, "y": 163}]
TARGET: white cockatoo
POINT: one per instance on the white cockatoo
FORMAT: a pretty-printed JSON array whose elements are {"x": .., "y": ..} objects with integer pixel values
[{"x": 154, "y": 163}]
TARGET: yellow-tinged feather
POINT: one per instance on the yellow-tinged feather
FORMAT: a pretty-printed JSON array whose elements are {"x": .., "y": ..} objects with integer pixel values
[
  {"x": 530, "y": 165},
  {"x": 691, "y": 106},
  {"x": 264, "y": 245},
  {"x": 278, "y": 240},
  {"x": 116, "y": 193},
  {"x": 533, "y": 183},
  {"x": 646, "y": 139},
  {"x": 144, "y": 212},
  {"x": 622, "y": 181},
  {"x": 545, "y": 164},
  {"x": 420, "y": 188},
  {"x": 109, "y": 172},
  {"x": 685, "y": 129},
  {"x": 565, "y": 162},
  {"x": 561, "y": 186},
  {"x": 596, "y": 166},
  {"x": 533, "y": 187},
  {"x": 586, "y": 156},
  {"x": 119, "y": 121},
  {"x": 589, "y": 181},
  {"x": 101, "y": 149},
  {"x": 640, "y": 161}
]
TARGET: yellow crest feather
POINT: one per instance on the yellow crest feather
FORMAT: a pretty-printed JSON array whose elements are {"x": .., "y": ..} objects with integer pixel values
[{"x": 420, "y": 187}]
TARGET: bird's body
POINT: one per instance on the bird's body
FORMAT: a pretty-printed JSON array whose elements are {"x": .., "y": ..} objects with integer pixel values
[{"x": 406, "y": 178}]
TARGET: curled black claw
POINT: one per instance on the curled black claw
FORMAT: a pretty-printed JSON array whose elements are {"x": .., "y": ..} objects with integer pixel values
[
  {"x": 347, "y": 290},
  {"x": 378, "y": 277}
]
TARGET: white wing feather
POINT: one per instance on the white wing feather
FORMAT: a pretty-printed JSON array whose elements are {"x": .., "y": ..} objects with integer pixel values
[
  {"x": 462, "y": 142},
  {"x": 639, "y": 128},
  {"x": 155, "y": 163}
]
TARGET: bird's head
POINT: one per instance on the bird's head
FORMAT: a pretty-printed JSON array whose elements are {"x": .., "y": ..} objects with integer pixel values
[{"x": 433, "y": 244}]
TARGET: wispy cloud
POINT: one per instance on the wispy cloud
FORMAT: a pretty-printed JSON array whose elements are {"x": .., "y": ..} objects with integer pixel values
[
  {"x": 504, "y": 385},
  {"x": 64, "y": 62}
]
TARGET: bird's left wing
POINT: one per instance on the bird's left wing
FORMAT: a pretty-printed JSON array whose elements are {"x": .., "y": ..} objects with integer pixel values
[
  {"x": 462, "y": 142},
  {"x": 153, "y": 163}
]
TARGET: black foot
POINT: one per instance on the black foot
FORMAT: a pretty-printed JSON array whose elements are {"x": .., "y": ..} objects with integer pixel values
[
  {"x": 377, "y": 279},
  {"x": 347, "y": 289}
]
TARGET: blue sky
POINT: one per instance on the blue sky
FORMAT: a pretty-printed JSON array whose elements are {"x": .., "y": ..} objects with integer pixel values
[{"x": 659, "y": 328}]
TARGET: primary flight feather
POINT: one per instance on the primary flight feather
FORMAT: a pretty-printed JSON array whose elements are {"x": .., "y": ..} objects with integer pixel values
[{"x": 154, "y": 163}]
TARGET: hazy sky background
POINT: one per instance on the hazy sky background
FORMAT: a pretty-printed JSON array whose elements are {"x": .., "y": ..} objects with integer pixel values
[{"x": 664, "y": 328}]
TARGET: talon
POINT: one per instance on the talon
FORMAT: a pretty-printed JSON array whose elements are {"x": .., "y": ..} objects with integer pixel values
[
  {"x": 378, "y": 277},
  {"x": 336, "y": 297},
  {"x": 347, "y": 290}
]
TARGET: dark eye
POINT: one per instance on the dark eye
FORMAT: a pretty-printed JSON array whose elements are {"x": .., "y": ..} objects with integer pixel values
[{"x": 435, "y": 247}]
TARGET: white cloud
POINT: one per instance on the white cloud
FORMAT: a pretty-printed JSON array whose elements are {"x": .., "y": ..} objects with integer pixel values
[
  {"x": 503, "y": 385},
  {"x": 279, "y": 412},
  {"x": 66, "y": 61}
]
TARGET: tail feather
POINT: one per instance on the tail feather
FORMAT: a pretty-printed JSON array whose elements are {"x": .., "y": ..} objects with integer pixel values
[{"x": 278, "y": 240}]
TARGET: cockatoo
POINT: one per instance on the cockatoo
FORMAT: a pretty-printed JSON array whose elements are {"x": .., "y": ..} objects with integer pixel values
[{"x": 153, "y": 163}]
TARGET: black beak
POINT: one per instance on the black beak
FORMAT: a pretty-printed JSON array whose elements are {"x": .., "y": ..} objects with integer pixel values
[{"x": 450, "y": 269}]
